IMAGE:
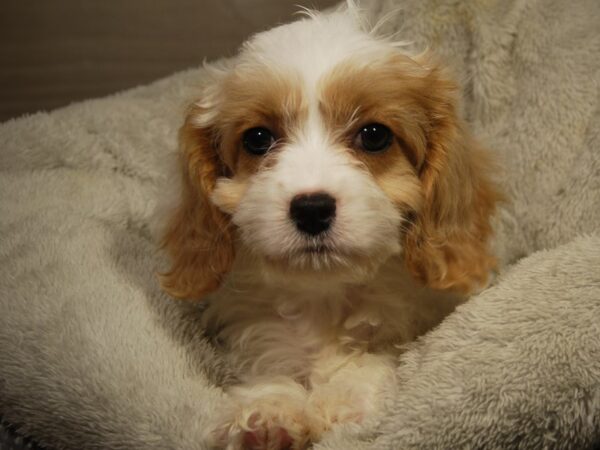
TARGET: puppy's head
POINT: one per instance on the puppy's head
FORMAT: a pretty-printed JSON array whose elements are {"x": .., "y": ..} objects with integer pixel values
[{"x": 324, "y": 150}]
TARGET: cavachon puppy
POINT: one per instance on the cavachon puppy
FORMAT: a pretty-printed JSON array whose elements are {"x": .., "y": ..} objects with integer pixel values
[{"x": 332, "y": 207}]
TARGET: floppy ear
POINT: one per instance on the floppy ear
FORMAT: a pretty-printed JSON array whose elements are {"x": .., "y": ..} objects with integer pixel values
[
  {"x": 198, "y": 236},
  {"x": 447, "y": 245}
]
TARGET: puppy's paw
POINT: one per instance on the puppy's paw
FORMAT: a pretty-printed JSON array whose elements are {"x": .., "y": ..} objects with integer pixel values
[
  {"x": 263, "y": 425},
  {"x": 274, "y": 431},
  {"x": 348, "y": 389},
  {"x": 267, "y": 437},
  {"x": 327, "y": 411},
  {"x": 265, "y": 418}
]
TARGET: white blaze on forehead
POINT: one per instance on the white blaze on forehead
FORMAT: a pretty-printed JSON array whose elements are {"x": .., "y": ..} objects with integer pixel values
[{"x": 313, "y": 46}]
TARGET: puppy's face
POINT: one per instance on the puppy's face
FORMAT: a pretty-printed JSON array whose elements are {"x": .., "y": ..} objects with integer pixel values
[
  {"x": 320, "y": 175},
  {"x": 323, "y": 150}
]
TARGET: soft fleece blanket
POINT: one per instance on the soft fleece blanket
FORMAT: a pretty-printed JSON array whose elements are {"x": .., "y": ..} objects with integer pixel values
[{"x": 93, "y": 355}]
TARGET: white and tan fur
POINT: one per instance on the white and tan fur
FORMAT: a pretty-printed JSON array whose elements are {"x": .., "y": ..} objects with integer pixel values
[{"x": 313, "y": 324}]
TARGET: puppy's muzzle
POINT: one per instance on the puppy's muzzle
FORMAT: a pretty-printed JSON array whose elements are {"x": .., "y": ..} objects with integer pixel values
[{"x": 314, "y": 213}]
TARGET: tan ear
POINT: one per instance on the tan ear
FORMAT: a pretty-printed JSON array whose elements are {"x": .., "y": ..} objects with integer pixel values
[
  {"x": 447, "y": 245},
  {"x": 198, "y": 237}
]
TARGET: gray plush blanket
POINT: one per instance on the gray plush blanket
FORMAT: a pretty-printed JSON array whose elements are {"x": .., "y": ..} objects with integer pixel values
[{"x": 93, "y": 355}]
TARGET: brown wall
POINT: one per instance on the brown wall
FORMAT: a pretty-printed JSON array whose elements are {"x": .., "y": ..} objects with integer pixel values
[{"x": 53, "y": 52}]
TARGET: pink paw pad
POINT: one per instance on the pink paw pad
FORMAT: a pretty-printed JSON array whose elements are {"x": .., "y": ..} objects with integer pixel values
[{"x": 267, "y": 438}]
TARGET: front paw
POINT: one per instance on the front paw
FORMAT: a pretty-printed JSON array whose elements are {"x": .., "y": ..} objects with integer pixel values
[
  {"x": 266, "y": 430},
  {"x": 264, "y": 424}
]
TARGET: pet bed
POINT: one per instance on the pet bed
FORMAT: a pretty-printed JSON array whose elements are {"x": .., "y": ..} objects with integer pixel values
[{"x": 93, "y": 355}]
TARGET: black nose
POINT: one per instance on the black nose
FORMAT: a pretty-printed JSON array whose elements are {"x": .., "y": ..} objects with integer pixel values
[{"x": 312, "y": 213}]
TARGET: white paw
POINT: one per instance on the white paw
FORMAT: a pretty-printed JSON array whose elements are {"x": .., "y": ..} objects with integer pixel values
[
  {"x": 273, "y": 432},
  {"x": 274, "y": 422},
  {"x": 327, "y": 411}
]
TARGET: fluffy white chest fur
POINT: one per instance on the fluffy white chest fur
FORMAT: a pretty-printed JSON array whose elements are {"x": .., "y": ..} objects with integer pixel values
[
  {"x": 293, "y": 327},
  {"x": 331, "y": 206}
]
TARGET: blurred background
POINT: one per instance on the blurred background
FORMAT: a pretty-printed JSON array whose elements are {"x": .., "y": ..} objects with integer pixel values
[{"x": 54, "y": 52}]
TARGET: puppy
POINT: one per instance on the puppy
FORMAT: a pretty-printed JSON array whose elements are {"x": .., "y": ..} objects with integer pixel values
[{"x": 333, "y": 206}]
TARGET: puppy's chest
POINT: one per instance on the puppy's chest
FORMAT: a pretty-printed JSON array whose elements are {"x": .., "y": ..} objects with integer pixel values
[
  {"x": 266, "y": 330},
  {"x": 378, "y": 316},
  {"x": 356, "y": 318}
]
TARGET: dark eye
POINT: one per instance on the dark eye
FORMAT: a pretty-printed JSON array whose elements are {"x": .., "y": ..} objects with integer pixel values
[
  {"x": 258, "y": 140},
  {"x": 374, "y": 137}
]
